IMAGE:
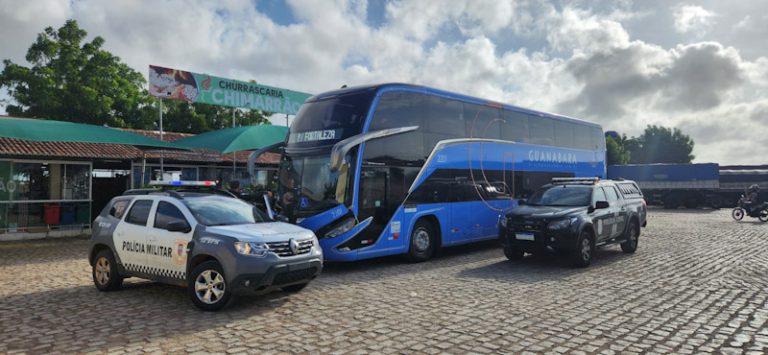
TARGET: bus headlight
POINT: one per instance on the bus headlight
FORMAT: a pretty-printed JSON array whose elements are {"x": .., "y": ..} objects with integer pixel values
[
  {"x": 343, "y": 227},
  {"x": 252, "y": 248}
]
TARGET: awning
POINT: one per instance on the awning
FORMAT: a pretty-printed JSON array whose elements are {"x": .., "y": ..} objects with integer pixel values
[
  {"x": 236, "y": 139},
  {"x": 59, "y": 131}
]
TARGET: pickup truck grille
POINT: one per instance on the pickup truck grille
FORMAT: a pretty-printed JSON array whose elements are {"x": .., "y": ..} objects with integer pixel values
[
  {"x": 284, "y": 248},
  {"x": 526, "y": 226}
]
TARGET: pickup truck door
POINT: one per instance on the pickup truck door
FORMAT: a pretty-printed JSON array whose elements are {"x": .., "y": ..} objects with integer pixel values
[
  {"x": 600, "y": 218},
  {"x": 619, "y": 210}
]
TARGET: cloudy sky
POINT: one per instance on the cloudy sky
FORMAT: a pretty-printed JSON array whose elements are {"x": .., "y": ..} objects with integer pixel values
[{"x": 701, "y": 66}]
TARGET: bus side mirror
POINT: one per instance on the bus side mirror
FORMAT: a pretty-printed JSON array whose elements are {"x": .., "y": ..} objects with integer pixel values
[{"x": 601, "y": 205}]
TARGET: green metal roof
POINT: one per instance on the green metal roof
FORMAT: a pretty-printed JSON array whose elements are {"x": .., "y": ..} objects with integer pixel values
[
  {"x": 60, "y": 131},
  {"x": 236, "y": 139}
]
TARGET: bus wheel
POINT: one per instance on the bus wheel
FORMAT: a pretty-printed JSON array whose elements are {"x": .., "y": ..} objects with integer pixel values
[{"x": 423, "y": 241}]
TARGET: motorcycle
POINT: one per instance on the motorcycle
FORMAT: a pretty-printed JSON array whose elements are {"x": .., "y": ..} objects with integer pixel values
[{"x": 757, "y": 211}]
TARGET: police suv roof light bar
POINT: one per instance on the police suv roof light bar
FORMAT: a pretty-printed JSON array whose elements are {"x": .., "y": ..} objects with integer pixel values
[{"x": 578, "y": 180}]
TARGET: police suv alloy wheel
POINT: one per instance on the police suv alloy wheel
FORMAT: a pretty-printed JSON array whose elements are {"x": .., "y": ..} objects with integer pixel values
[
  {"x": 585, "y": 249},
  {"x": 423, "y": 241},
  {"x": 104, "y": 271},
  {"x": 630, "y": 245},
  {"x": 208, "y": 287}
]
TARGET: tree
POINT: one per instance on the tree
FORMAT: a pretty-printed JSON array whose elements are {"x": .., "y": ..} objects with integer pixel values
[
  {"x": 180, "y": 116},
  {"x": 615, "y": 151},
  {"x": 75, "y": 82},
  {"x": 660, "y": 144}
]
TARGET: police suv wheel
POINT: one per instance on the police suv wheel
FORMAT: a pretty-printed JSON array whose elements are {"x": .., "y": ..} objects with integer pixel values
[
  {"x": 514, "y": 253},
  {"x": 585, "y": 249},
  {"x": 208, "y": 287},
  {"x": 630, "y": 244},
  {"x": 104, "y": 271},
  {"x": 423, "y": 242}
]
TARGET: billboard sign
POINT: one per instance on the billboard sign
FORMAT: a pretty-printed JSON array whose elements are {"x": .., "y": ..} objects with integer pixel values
[{"x": 203, "y": 88}]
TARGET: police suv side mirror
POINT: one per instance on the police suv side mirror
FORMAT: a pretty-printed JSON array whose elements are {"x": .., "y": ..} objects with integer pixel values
[
  {"x": 601, "y": 205},
  {"x": 178, "y": 226}
]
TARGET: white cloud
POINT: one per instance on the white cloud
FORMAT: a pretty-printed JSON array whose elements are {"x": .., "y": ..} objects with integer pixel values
[{"x": 691, "y": 18}]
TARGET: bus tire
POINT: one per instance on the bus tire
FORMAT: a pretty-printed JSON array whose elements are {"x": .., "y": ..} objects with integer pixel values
[{"x": 423, "y": 241}]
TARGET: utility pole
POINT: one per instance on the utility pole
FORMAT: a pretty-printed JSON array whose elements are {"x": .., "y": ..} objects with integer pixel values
[
  {"x": 234, "y": 154},
  {"x": 162, "y": 170}
]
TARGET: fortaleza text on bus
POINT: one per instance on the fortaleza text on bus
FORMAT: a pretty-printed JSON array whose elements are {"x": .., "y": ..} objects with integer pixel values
[{"x": 149, "y": 249}]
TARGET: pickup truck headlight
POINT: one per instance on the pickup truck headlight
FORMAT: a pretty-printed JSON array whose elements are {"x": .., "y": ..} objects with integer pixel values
[
  {"x": 343, "y": 227},
  {"x": 561, "y": 224},
  {"x": 252, "y": 248}
]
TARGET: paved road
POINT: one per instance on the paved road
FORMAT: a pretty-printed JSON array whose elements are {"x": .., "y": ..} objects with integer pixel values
[{"x": 697, "y": 284}]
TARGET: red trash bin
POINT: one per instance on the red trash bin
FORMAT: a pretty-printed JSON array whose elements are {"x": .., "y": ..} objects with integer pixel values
[{"x": 52, "y": 213}]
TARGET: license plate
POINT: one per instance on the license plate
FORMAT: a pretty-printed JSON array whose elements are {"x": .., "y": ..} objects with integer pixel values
[{"x": 524, "y": 236}]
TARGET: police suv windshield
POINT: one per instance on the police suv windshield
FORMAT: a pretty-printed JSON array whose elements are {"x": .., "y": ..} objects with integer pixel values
[
  {"x": 562, "y": 195},
  {"x": 223, "y": 211}
]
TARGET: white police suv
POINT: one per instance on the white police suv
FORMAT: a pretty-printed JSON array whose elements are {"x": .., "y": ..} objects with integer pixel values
[{"x": 214, "y": 245}]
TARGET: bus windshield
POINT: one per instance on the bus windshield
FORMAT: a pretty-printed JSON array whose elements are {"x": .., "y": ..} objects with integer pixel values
[
  {"x": 310, "y": 177},
  {"x": 327, "y": 121}
]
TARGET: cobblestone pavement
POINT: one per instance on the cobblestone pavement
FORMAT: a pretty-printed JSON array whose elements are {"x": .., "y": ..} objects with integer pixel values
[{"x": 697, "y": 284}]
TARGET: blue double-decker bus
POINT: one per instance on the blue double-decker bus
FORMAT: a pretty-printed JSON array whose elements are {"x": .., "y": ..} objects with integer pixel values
[{"x": 403, "y": 169}]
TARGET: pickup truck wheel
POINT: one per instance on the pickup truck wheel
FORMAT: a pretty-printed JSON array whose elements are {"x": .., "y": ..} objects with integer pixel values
[
  {"x": 294, "y": 288},
  {"x": 514, "y": 253},
  {"x": 104, "y": 271},
  {"x": 208, "y": 287},
  {"x": 631, "y": 235},
  {"x": 585, "y": 249}
]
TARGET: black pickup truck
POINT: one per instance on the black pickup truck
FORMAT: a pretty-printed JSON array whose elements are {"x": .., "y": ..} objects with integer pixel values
[{"x": 573, "y": 216}]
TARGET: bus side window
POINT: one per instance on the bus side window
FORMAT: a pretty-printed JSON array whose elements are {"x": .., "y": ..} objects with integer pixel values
[
  {"x": 564, "y": 134},
  {"x": 541, "y": 130},
  {"x": 515, "y": 127},
  {"x": 582, "y": 137},
  {"x": 482, "y": 121}
]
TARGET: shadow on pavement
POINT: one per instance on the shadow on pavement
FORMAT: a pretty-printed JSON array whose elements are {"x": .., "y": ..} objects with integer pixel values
[{"x": 540, "y": 268}]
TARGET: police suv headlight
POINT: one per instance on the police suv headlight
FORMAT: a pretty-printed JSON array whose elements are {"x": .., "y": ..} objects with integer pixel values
[
  {"x": 503, "y": 221},
  {"x": 561, "y": 224},
  {"x": 252, "y": 248},
  {"x": 343, "y": 227}
]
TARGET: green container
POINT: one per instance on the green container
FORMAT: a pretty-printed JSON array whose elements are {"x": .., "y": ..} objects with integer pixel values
[{"x": 83, "y": 213}]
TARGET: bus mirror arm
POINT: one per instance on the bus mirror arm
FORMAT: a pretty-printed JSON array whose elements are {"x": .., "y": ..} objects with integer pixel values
[
  {"x": 340, "y": 149},
  {"x": 255, "y": 155},
  {"x": 268, "y": 206}
]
